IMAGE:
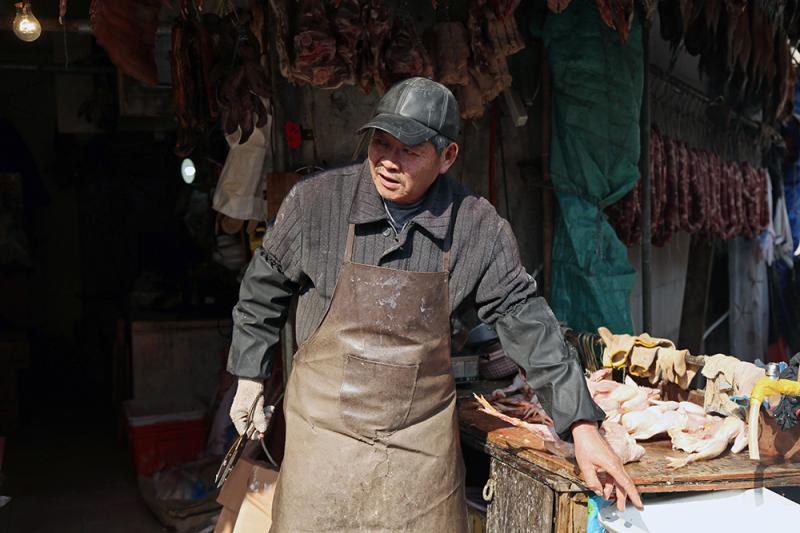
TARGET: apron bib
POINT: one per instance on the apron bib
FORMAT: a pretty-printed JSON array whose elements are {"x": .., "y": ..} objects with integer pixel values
[{"x": 372, "y": 441}]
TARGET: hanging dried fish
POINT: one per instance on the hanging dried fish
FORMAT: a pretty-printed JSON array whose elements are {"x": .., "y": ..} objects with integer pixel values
[
  {"x": 713, "y": 10},
  {"x": 649, "y": 8},
  {"x": 696, "y": 38},
  {"x": 671, "y": 22}
]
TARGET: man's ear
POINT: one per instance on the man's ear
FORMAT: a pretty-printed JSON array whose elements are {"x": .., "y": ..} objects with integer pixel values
[{"x": 448, "y": 157}]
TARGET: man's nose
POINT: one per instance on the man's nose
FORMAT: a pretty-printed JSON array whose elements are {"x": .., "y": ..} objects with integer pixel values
[{"x": 389, "y": 161}]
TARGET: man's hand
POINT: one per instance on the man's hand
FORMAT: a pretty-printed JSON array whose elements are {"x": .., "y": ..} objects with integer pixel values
[
  {"x": 595, "y": 455},
  {"x": 247, "y": 390}
]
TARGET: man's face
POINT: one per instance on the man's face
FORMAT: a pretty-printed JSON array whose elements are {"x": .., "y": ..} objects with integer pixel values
[{"x": 403, "y": 174}]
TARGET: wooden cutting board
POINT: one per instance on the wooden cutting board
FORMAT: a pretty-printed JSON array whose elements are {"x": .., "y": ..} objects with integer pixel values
[{"x": 651, "y": 474}]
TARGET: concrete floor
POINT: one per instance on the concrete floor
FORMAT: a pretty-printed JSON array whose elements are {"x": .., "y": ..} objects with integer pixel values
[{"x": 71, "y": 481}]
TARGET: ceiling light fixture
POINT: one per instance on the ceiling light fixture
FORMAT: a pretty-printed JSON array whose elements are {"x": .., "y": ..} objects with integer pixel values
[
  {"x": 26, "y": 25},
  {"x": 188, "y": 170}
]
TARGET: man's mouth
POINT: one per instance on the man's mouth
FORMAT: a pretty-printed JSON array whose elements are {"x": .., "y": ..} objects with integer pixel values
[{"x": 388, "y": 182}]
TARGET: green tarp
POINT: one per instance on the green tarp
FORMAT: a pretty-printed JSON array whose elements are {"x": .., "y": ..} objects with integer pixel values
[{"x": 594, "y": 154}]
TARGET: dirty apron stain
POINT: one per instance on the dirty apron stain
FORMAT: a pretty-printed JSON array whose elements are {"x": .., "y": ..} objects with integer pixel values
[{"x": 371, "y": 430}]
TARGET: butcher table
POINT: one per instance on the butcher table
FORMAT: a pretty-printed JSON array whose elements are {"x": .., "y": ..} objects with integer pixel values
[{"x": 532, "y": 491}]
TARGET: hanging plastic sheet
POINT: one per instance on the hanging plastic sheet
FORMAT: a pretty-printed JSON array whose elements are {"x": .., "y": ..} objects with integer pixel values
[{"x": 594, "y": 153}]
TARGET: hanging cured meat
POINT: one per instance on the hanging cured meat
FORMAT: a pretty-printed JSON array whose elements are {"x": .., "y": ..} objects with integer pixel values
[
  {"x": 242, "y": 81},
  {"x": 126, "y": 29},
  {"x": 315, "y": 59},
  {"x": 405, "y": 55},
  {"x": 193, "y": 82},
  {"x": 281, "y": 17},
  {"x": 503, "y": 34},
  {"x": 347, "y": 27},
  {"x": 696, "y": 192},
  {"x": 452, "y": 53},
  {"x": 470, "y": 100},
  {"x": 377, "y": 20}
]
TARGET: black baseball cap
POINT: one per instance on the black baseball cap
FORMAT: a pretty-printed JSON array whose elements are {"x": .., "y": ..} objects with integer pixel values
[{"x": 415, "y": 110}]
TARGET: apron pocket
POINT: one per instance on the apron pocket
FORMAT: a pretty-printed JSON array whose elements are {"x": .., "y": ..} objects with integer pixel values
[{"x": 375, "y": 397}]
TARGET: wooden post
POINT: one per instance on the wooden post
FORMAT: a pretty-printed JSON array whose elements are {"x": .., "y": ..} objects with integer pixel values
[
  {"x": 644, "y": 171},
  {"x": 547, "y": 193},
  {"x": 492, "y": 152}
]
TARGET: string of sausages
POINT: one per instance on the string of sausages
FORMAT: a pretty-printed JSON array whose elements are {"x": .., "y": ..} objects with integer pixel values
[{"x": 694, "y": 191}]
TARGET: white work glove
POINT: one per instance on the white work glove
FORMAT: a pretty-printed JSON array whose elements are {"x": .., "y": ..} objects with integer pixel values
[{"x": 247, "y": 390}]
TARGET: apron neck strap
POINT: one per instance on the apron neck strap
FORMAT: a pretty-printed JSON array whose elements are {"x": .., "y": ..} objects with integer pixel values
[{"x": 348, "y": 249}]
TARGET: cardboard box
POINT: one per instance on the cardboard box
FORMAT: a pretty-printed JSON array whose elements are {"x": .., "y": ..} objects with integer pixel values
[
  {"x": 247, "y": 498},
  {"x": 226, "y": 521},
  {"x": 255, "y": 514}
]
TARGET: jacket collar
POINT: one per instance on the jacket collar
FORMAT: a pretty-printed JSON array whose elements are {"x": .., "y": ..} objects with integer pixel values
[{"x": 434, "y": 215}]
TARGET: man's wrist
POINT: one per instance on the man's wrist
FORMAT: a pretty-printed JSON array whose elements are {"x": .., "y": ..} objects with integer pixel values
[{"x": 582, "y": 427}]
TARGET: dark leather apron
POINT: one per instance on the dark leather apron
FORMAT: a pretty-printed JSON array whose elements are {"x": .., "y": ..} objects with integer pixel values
[{"x": 372, "y": 440}]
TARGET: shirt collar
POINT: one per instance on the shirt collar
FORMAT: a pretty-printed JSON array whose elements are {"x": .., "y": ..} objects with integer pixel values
[{"x": 434, "y": 215}]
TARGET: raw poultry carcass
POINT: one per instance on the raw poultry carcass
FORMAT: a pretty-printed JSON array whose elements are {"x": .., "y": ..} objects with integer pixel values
[
  {"x": 619, "y": 398},
  {"x": 126, "y": 29},
  {"x": 708, "y": 444},
  {"x": 518, "y": 385},
  {"x": 546, "y": 433},
  {"x": 525, "y": 410},
  {"x": 518, "y": 399},
  {"x": 652, "y": 421},
  {"x": 625, "y": 446}
]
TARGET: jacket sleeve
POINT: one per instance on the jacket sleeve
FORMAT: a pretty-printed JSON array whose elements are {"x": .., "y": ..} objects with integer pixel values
[
  {"x": 531, "y": 336},
  {"x": 273, "y": 276},
  {"x": 264, "y": 298}
]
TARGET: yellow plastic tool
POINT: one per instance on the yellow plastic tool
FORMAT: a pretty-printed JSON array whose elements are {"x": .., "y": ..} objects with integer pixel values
[{"x": 764, "y": 388}]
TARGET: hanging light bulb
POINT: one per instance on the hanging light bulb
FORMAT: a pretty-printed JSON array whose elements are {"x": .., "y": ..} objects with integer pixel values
[
  {"x": 188, "y": 170},
  {"x": 26, "y": 25}
]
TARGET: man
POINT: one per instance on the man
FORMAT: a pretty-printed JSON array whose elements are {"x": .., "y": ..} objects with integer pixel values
[{"x": 381, "y": 254}]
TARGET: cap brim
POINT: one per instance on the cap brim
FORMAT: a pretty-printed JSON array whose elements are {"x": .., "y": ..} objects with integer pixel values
[{"x": 406, "y": 130}]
